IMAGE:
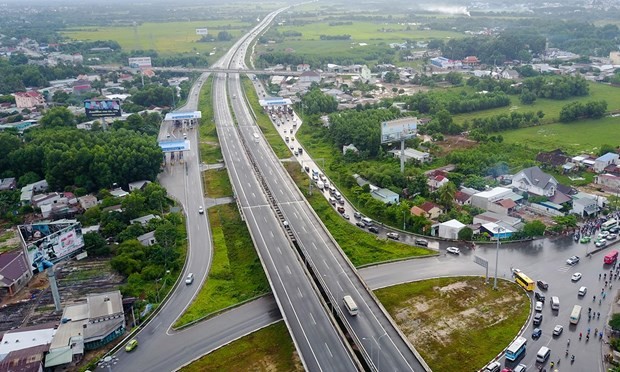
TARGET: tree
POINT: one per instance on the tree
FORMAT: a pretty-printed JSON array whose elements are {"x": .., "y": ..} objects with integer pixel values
[
  {"x": 95, "y": 245},
  {"x": 605, "y": 148},
  {"x": 446, "y": 194},
  {"x": 614, "y": 322},
  {"x": 534, "y": 228},
  {"x": 58, "y": 117},
  {"x": 466, "y": 234}
]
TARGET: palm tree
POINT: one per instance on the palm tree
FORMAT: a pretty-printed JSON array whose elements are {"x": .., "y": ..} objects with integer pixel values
[{"x": 446, "y": 195}]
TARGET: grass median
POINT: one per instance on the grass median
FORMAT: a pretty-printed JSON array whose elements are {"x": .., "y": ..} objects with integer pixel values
[
  {"x": 216, "y": 183},
  {"x": 361, "y": 247},
  {"x": 210, "y": 151},
  {"x": 264, "y": 123},
  {"x": 269, "y": 349},
  {"x": 439, "y": 317},
  {"x": 236, "y": 273}
]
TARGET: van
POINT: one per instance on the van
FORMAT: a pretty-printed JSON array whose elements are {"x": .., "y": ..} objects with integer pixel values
[
  {"x": 332, "y": 201},
  {"x": 350, "y": 305},
  {"x": 611, "y": 257},
  {"x": 421, "y": 242},
  {"x": 190, "y": 279},
  {"x": 543, "y": 354},
  {"x": 555, "y": 303},
  {"x": 367, "y": 221}
]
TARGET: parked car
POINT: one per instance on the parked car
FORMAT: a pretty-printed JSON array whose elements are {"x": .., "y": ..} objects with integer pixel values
[
  {"x": 537, "y": 331},
  {"x": 539, "y": 296},
  {"x": 542, "y": 284},
  {"x": 538, "y": 319},
  {"x": 576, "y": 277},
  {"x": 582, "y": 291},
  {"x": 373, "y": 229},
  {"x": 572, "y": 260},
  {"x": 453, "y": 250},
  {"x": 393, "y": 235},
  {"x": 558, "y": 330}
]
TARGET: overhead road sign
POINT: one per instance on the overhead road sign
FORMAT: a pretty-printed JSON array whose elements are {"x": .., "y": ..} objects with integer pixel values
[
  {"x": 275, "y": 102},
  {"x": 174, "y": 145},
  {"x": 183, "y": 115}
]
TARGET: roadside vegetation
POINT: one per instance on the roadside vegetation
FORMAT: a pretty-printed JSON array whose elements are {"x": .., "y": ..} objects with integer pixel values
[
  {"x": 438, "y": 316},
  {"x": 210, "y": 151},
  {"x": 216, "y": 183},
  {"x": 236, "y": 274},
  {"x": 264, "y": 122},
  {"x": 361, "y": 247},
  {"x": 266, "y": 350}
]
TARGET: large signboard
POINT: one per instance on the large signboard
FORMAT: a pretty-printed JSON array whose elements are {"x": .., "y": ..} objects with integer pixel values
[
  {"x": 397, "y": 130},
  {"x": 202, "y": 31},
  {"x": 102, "y": 108},
  {"x": 47, "y": 243},
  {"x": 140, "y": 62}
]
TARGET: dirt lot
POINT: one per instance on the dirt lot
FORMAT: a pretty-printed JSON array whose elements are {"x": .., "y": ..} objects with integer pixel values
[
  {"x": 452, "y": 143},
  {"x": 34, "y": 303},
  {"x": 438, "y": 317}
]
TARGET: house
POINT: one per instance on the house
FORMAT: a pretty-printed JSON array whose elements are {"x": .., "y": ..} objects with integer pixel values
[
  {"x": 138, "y": 185},
  {"x": 534, "y": 181},
  {"x": 87, "y": 201},
  {"x": 462, "y": 198},
  {"x": 87, "y": 326},
  {"x": 118, "y": 193},
  {"x": 610, "y": 182},
  {"x": 303, "y": 67},
  {"x": 310, "y": 77},
  {"x": 515, "y": 224},
  {"x": 14, "y": 272},
  {"x": 484, "y": 199},
  {"x": 585, "y": 207},
  {"x": 496, "y": 231},
  {"x": 432, "y": 210},
  {"x": 555, "y": 158},
  {"x": 144, "y": 219},
  {"x": 45, "y": 199},
  {"x": 29, "y": 99},
  {"x": 385, "y": 195},
  {"x": 435, "y": 182},
  {"x": 504, "y": 206},
  {"x": 29, "y": 190},
  {"x": 446, "y": 63},
  {"x": 603, "y": 161},
  {"x": 82, "y": 86},
  {"x": 350, "y": 147},
  {"x": 417, "y": 211},
  {"x": 8, "y": 184},
  {"x": 23, "y": 349},
  {"x": 412, "y": 154},
  {"x": 471, "y": 61},
  {"x": 450, "y": 229},
  {"x": 147, "y": 239}
]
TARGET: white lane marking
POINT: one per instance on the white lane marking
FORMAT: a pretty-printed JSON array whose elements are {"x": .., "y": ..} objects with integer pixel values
[{"x": 288, "y": 270}]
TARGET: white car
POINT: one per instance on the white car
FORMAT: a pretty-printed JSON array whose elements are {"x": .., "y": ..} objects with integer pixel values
[
  {"x": 575, "y": 277},
  {"x": 201, "y": 210},
  {"x": 601, "y": 243},
  {"x": 539, "y": 306},
  {"x": 453, "y": 250},
  {"x": 572, "y": 260},
  {"x": 558, "y": 330},
  {"x": 582, "y": 291},
  {"x": 393, "y": 235}
]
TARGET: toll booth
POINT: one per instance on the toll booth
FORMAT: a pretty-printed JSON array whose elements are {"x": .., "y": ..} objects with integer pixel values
[{"x": 183, "y": 120}]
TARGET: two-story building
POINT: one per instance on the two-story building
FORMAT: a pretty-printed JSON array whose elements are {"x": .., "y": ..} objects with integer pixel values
[{"x": 534, "y": 181}]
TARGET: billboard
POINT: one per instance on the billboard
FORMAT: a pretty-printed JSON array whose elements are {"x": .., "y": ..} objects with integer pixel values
[
  {"x": 102, "y": 108},
  {"x": 47, "y": 243},
  {"x": 201, "y": 31},
  {"x": 397, "y": 130},
  {"x": 140, "y": 62}
]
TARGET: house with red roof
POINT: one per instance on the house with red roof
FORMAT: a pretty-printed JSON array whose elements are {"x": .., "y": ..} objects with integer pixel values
[
  {"x": 471, "y": 61},
  {"x": 437, "y": 180},
  {"x": 432, "y": 210},
  {"x": 29, "y": 99}
]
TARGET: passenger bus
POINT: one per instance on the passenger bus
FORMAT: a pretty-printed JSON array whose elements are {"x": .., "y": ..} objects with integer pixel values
[
  {"x": 515, "y": 349},
  {"x": 609, "y": 224},
  {"x": 524, "y": 281},
  {"x": 350, "y": 305},
  {"x": 575, "y": 315},
  {"x": 611, "y": 257}
]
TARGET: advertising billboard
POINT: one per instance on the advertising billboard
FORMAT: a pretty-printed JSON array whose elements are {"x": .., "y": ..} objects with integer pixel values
[
  {"x": 202, "y": 31},
  {"x": 140, "y": 62},
  {"x": 400, "y": 129},
  {"x": 47, "y": 243},
  {"x": 102, "y": 108}
]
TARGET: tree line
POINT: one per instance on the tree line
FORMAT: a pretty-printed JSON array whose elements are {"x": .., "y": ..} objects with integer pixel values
[
  {"x": 16, "y": 74},
  {"x": 577, "y": 110},
  {"x": 455, "y": 103}
]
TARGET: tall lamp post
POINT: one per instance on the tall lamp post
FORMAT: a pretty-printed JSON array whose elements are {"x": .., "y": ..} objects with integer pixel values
[{"x": 499, "y": 230}]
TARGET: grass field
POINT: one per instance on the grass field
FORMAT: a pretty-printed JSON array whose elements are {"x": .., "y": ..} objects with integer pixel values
[
  {"x": 581, "y": 136},
  {"x": 210, "y": 151},
  {"x": 267, "y": 350},
  {"x": 264, "y": 123},
  {"x": 236, "y": 274},
  {"x": 551, "y": 107},
  {"x": 361, "y": 247},
  {"x": 216, "y": 183},
  {"x": 165, "y": 38},
  {"x": 439, "y": 317}
]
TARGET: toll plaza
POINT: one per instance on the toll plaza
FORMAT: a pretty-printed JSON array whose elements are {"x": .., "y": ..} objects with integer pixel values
[
  {"x": 173, "y": 150},
  {"x": 183, "y": 120}
]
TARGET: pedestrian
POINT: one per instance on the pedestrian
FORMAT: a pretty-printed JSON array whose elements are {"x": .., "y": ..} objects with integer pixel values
[
  {"x": 595, "y": 330},
  {"x": 600, "y": 335},
  {"x": 605, "y": 283},
  {"x": 587, "y": 337},
  {"x": 604, "y": 294},
  {"x": 593, "y": 298},
  {"x": 580, "y": 334},
  {"x": 599, "y": 301},
  {"x": 598, "y": 315},
  {"x": 589, "y": 310},
  {"x": 605, "y": 276}
]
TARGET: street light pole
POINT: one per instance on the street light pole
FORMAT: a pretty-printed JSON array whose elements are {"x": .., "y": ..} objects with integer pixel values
[{"x": 499, "y": 229}]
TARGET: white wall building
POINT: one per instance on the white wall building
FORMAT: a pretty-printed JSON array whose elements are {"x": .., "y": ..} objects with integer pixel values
[{"x": 450, "y": 229}]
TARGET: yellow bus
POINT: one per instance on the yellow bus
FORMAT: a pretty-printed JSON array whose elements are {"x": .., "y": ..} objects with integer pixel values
[{"x": 524, "y": 281}]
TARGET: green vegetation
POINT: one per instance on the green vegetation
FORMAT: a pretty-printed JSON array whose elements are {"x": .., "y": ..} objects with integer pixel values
[
  {"x": 264, "y": 123},
  {"x": 216, "y": 183},
  {"x": 438, "y": 316},
  {"x": 361, "y": 247},
  {"x": 580, "y": 136},
  {"x": 236, "y": 274},
  {"x": 269, "y": 349},
  {"x": 164, "y": 37},
  {"x": 210, "y": 151}
]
